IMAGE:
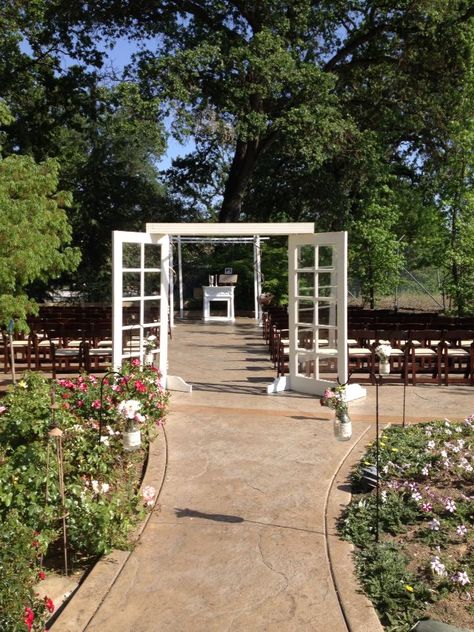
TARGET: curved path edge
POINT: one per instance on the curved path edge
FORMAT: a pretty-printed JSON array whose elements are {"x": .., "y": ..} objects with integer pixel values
[
  {"x": 76, "y": 614},
  {"x": 358, "y": 611}
]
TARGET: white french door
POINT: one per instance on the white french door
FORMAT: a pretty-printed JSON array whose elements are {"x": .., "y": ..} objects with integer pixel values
[
  {"x": 317, "y": 311},
  {"x": 140, "y": 297}
]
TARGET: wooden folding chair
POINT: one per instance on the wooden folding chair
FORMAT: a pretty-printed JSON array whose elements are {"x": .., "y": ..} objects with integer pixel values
[
  {"x": 457, "y": 353},
  {"x": 423, "y": 356}
]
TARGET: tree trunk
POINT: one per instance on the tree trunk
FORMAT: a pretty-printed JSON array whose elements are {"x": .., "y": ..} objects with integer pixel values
[{"x": 241, "y": 170}]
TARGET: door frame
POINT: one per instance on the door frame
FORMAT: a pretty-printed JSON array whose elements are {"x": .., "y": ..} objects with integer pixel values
[
  {"x": 337, "y": 320},
  {"x": 161, "y": 232},
  {"x": 119, "y": 238}
]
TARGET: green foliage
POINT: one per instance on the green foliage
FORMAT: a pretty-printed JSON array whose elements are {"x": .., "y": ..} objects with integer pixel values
[
  {"x": 303, "y": 81},
  {"x": 423, "y": 471},
  {"x": 374, "y": 256},
  {"x": 33, "y": 233},
  {"x": 397, "y": 594},
  {"x": 100, "y": 479},
  {"x": 354, "y": 116},
  {"x": 275, "y": 270},
  {"x": 358, "y": 522},
  {"x": 452, "y": 181},
  {"x": 20, "y": 549}
]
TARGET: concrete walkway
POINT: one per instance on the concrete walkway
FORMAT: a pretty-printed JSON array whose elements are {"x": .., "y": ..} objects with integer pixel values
[{"x": 240, "y": 540}]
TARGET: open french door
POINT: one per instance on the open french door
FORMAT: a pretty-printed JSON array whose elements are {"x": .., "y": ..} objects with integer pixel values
[
  {"x": 140, "y": 297},
  {"x": 317, "y": 311}
]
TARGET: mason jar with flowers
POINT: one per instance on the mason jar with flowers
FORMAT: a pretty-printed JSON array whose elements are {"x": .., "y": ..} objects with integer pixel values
[
  {"x": 151, "y": 343},
  {"x": 131, "y": 419},
  {"x": 335, "y": 398},
  {"x": 383, "y": 352}
]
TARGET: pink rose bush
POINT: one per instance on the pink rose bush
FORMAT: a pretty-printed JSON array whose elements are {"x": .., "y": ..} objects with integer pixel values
[{"x": 101, "y": 481}]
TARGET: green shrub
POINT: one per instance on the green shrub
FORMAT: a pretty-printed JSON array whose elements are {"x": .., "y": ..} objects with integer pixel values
[
  {"x": 100, "y": 479},
  {"x": 398, "y": 596},
  {"x": 20, "y": 548}
]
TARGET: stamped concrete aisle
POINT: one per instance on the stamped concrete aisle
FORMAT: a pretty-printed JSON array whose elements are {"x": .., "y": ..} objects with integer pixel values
[{"x": 238, "y": 541}]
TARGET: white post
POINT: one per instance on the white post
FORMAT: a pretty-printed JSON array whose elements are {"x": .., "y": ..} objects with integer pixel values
[
  {"x": 180, "y": 280},
  {"x": 165, "y": 255},
  {"x": 117, "y": 291},
  {"x": 341, "y": 282},
  {"x": 171, "y": 284},
  {"x": 257, "y": 271}
]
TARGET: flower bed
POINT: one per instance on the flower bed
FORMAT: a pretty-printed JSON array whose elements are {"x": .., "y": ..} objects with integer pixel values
[
  {"x": 423, "y": 565},
  {"x": 101, "y": 503}
]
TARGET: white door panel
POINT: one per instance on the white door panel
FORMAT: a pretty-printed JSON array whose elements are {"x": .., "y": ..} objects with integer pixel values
[
  {"x": 317, "y": 311},
  {"x": 140, "y": 296}
]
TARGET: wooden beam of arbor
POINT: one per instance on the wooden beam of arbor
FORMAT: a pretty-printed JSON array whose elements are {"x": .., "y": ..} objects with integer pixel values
[{"x": 236, "y": 228}]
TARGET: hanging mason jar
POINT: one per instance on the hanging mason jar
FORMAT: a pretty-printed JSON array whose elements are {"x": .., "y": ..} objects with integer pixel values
[
  {"x": 384, "y": 367},
  {"x": 342, "y": 426},
  {"x": 148, "y": 359},
  {"x": 132, "y": 438}
]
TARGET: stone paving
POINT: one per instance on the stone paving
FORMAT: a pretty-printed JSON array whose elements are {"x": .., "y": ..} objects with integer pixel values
[{"x": 243, "y": 536}]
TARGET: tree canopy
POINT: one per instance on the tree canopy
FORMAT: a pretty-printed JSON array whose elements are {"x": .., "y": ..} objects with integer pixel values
[
  {"x": 34, "y": 231},
  {"x": 335, "y": 112}
]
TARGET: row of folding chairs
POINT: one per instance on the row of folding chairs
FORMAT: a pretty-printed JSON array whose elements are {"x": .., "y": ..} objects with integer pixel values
[
  {"x": 276, "y": 334},
  {"x": 440, "y": 356},
  {"x": 389, "y": 319},
  {"x": 64, "y": 350}
]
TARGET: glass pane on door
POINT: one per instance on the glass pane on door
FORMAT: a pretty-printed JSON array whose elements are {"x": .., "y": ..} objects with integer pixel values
[
  {"x": 140, "y": 298},
  {"x": 315, "y": 317}
]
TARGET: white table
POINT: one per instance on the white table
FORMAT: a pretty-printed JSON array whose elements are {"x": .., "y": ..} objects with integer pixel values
[{"x": 218, "y": 293}]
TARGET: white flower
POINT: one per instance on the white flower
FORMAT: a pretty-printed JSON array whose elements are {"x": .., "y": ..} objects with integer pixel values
[
  {"x": 461, "y": 530},
  {"x": 434, "y": 525},
  {"x": 437, "y": 566},
  {"x": 383, "y": 495},
  {"x": 150, "y": 343},
  {"x": 426, "y": 470},
  {"x": 100, "y": 489},
  {"x": 431, "y": 445},
  {"x": 450, "y": 505},
  {"x": 128, "y": 408},
  {"x": 383, "y": 352},
  {"x": 105, "y": 440},
  {"x": 461, "y": 577}
]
